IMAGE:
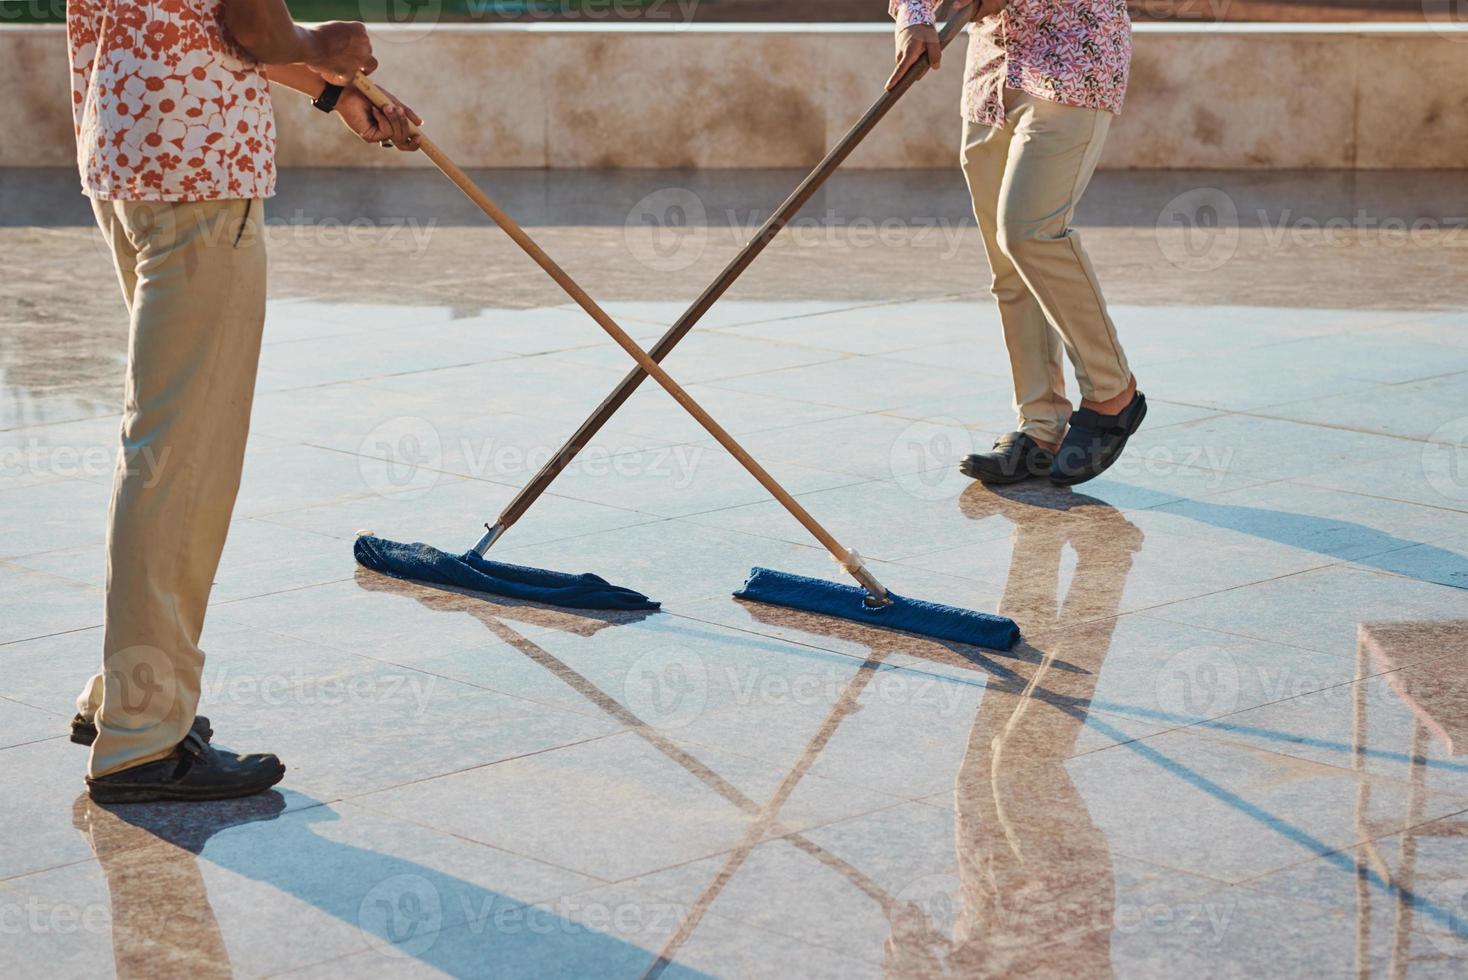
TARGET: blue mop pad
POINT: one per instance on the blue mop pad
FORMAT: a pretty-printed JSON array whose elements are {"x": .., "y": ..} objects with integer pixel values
[
  {"x": 911, "y": 615},
  {"x": 419, "y": 562}
]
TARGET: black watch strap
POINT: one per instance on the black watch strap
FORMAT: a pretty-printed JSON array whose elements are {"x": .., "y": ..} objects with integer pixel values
[{"x": 326, "y": 101}]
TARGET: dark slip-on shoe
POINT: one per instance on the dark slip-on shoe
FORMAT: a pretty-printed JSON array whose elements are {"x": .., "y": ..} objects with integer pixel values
[
  {"x": 197, "y": 771},
  {"x": 83, "y": 732},
  {"x": 1015, "y": 457},
  {"x": 1094, "y": 441}
]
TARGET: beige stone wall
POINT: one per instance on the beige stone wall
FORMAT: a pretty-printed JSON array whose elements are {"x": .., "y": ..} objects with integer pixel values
[{"x": 1214, "y": 96}]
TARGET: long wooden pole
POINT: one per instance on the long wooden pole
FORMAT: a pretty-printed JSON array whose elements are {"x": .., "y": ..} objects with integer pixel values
[{"x": 844, "y": 557}]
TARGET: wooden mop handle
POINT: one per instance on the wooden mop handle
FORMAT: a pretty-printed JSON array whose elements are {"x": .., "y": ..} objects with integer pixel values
[{"x": 847, "y": 559}]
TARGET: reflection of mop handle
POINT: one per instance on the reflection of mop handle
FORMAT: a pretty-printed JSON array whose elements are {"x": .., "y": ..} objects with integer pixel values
[
  {"x": 719, "y": 784},
  {"x": 765, "y": 818}
]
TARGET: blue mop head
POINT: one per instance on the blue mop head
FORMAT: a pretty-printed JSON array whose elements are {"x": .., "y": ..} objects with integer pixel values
[
  {"x": 419, "y": 562},
  {"x": 911, "y": 615}
]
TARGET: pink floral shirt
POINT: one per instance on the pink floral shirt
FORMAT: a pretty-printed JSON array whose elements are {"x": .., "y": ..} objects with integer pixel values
[
  {"x": 1075, "y": 52},
  {"x": 166, "y": 106}
]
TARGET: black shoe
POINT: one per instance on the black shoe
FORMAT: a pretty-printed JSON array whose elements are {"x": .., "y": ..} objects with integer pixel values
[
  {"x": 1015, "y": 457},
  {"x": 1094, "y": 441},
  {"x": 198, "y": 772},
  {"x": 83, "y": 732}
]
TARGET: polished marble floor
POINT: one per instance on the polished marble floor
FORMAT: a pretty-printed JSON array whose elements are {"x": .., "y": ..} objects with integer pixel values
[{"x": 1234, "y": 742}]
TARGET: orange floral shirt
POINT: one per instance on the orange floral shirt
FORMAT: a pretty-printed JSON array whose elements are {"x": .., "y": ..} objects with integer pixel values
[{"x": 167, "y": 107}]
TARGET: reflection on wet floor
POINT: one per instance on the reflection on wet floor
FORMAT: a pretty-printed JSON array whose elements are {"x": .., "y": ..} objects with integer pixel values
[{"x": 1232, "y": 742}]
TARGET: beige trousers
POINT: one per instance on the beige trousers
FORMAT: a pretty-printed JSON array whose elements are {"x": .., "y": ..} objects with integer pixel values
[
  {"x": 193, "y": 277},
  {"x": 1025, "y": 178}
]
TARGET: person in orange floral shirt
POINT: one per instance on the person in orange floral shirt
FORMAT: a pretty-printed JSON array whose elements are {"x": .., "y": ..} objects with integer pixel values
[
  {"x": 176, "y": 148},
  {"x": 1043, "y": 80}
]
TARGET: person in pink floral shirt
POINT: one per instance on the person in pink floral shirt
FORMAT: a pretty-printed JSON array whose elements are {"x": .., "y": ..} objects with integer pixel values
[
  {"x": 1042, "y": 82},
  {"x": 176, "y": 148}
]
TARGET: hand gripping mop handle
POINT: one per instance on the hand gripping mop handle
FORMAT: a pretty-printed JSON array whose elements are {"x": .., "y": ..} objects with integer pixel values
[
  {"x": 797, "y": 200},
  {"x": 847, "y": 559}
]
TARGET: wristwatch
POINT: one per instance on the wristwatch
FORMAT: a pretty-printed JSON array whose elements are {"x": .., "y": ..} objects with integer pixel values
[{"x": 326, "y": 101}]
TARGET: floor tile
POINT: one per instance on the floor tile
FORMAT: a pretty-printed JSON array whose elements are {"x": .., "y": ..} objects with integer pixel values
[
  {"x": 1248, "y": 811},
  {"x": 588, "y": 807},
  {"x": 253, "y": 890},
  {"x": 1320, "y": 609},
  {"x": 36, "y": 604}
]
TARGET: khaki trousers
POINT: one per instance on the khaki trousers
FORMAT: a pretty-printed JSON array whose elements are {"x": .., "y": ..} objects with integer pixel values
[
  {"x": 193, "y": 277},
  {"x": 1025, "y": 178}
]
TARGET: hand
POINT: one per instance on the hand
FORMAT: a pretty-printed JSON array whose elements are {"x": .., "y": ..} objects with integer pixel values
[
  {"x": 338, "y": 50},
  {"x": 374, "y": 125},
  {"x": 913, "y": 42}
]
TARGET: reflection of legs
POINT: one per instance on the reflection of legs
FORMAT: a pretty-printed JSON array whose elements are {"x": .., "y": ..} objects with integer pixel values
[
  {"x": 197, "y": 301},
  {"x": 162, "y": 923},
  {"x": 1051, "y": 157},
  {"x": 1030, "y": 857},
  {"x": 1034, "y": 346}
]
